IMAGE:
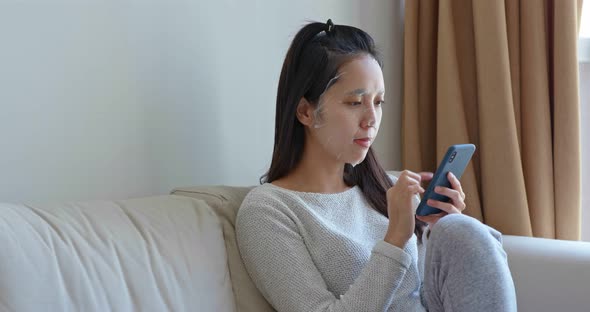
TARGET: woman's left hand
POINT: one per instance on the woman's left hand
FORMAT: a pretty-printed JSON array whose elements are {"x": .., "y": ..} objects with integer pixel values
[{"x": 455, "y": 205}]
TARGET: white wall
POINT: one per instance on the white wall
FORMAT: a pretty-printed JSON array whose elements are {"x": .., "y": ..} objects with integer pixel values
[{"x": 116, "y": 99}]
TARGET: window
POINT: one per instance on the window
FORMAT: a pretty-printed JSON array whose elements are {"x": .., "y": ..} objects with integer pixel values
[{"x": 584, "y": 58}]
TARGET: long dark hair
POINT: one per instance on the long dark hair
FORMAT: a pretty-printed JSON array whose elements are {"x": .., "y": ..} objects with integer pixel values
[{"x": 316, "y": 53}]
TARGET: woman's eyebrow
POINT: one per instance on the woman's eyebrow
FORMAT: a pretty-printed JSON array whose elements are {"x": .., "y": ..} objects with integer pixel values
[{"x": 361, "y": 92}]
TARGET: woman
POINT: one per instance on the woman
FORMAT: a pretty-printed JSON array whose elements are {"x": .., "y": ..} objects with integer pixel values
[{"x": 329, "y": 230}]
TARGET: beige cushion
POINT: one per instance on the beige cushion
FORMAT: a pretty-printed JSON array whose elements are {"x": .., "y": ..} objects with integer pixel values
[
  {"x": 161, "y": 253},
  {"x": 226, "y": 201}
]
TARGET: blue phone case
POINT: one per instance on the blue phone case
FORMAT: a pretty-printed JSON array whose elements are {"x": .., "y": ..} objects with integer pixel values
[{"x": 455, "y": 161}]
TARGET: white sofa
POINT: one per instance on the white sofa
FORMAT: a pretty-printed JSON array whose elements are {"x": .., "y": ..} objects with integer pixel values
[{"x": 178, "y": 253}]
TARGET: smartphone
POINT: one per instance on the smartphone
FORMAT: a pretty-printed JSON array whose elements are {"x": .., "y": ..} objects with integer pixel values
[{"x": 455, "y": 161}]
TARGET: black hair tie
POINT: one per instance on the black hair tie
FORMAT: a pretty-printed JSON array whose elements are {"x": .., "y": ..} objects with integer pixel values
[{"x": 329, "y": 26}]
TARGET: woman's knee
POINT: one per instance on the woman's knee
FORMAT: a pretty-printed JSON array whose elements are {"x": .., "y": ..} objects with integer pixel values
[{"x": 464, "y": 230}]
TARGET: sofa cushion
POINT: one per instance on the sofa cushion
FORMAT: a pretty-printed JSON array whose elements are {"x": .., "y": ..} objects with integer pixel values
[
  {"x": 225, "y": 202},
  {"x": 554, "y": 269},
  {"x": 151, "y": 254}
]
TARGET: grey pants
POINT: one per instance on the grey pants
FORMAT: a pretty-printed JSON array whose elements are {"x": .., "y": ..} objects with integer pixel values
[{"x": 465, "y": 268}]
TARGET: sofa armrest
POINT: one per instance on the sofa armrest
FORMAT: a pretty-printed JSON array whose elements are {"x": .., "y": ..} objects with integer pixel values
[{"x": 549, "y": 275}]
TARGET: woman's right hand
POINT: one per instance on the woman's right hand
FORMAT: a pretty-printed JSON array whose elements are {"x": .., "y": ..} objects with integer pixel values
[{"x": 401, "y": 207}]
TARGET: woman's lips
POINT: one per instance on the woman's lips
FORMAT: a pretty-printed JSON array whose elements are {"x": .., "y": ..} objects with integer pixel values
[{"x": 365, "y": 142}]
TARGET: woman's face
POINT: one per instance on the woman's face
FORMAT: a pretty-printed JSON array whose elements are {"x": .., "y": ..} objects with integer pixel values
[{"x": 347, "y": 117}]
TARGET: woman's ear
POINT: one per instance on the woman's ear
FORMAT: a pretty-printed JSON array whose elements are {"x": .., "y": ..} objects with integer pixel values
[{"x": 305, "y": 112}]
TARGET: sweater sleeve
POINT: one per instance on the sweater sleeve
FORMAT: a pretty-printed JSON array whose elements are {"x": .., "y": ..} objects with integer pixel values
[{"x": 279, "y": 263}]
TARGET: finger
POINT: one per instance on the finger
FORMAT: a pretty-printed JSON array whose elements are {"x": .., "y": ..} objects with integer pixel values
[
  {"x": 431, "y": 219},
  {"x": 425, "y": 176},
  {"x": 454, "y": 195},
  {"x": 411, "y": 174},
  {"x": 455, "y": 182},
  {"x": 446, "y": 207},
  {"x": 408, "y": 180},
  {"x": 415, "y": 188}
]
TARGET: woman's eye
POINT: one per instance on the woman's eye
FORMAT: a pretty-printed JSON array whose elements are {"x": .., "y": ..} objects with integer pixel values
[
  {"x": 355, "y": 103},
  {"x": 380, "y": 102}
]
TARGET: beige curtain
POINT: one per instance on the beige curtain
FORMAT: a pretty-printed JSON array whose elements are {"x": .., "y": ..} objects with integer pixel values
[{"x": 503, "y": 75}]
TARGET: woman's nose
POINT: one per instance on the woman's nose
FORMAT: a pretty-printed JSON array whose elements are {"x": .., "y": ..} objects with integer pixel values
[{"x": 369, "y": 117}]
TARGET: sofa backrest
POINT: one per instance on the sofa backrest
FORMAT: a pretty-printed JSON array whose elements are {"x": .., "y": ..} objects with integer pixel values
[
  {"x": 162, "y": 253},
  {"x": 225, "y": 202}
]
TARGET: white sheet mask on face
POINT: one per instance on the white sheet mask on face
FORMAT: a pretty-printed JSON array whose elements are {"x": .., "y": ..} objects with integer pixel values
[
  {"x": 318, "y": 112},
  {"x": 336, "y": 132},
  {"x": 371, "y": 123}
]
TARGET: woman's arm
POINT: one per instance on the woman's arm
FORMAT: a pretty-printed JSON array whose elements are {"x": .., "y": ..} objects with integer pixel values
[{"x": 281, "y": 267}]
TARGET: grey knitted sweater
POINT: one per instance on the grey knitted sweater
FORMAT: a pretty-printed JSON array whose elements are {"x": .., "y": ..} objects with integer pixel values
[{"x": 325, "y": 252}]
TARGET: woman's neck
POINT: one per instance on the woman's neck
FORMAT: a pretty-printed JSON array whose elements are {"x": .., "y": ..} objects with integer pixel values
[{"x": 316, "y": 172}]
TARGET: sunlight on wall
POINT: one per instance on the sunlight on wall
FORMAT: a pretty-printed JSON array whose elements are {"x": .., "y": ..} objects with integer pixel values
[{"x": 585, "y": 26}]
